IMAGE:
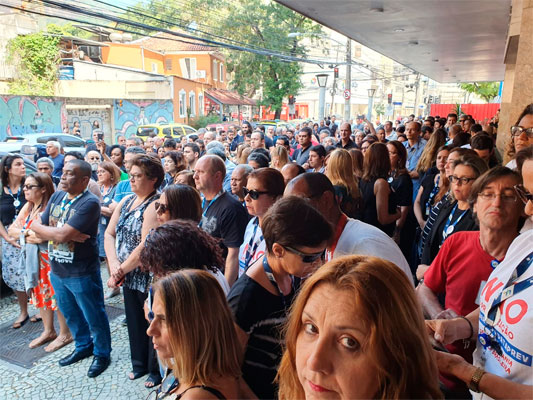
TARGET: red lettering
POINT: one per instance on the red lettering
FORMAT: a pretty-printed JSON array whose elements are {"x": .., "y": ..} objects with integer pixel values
[
  {"x": 489, "y": 290},
  {"x": 523, "y": 309}
]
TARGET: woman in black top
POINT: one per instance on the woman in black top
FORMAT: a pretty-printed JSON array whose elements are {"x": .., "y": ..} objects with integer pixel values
[
  {"x": 379, "y": 207},
  {"x": 12, "y": 199},
  {"x": 296, "y": 236},
  {"x": 455, "y": 216}
]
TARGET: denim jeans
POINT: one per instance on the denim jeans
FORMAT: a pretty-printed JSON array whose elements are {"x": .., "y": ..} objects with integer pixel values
[{"x": 81, "y": 300}]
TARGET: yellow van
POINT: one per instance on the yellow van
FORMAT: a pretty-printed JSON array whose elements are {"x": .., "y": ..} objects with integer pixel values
[{"x": 173, "y": 129}]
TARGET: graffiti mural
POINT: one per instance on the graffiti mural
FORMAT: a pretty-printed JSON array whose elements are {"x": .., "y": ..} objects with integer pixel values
[
  {"x": 20, "y": 115},
  {"x": 89, "y": 119},
  {"x": 128, "y": 115}
]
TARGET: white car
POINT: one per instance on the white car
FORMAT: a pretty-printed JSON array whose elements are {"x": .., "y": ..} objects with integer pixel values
[{"x": 33, "y": 145}]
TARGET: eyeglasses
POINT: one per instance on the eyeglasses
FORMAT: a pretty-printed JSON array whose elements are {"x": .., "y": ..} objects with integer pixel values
[
  {"x": 134, "y": 177},
  {"x": 306, "y": 258},
  {"x": 460, "y": 181},
  {"x": 518, "y": 130},
  {"x": 167, "y": 385},
  {"x": 524, "y": 195},
  {"x": 29, "y": 187},
  {"x": 161, "y": 208},
  {"x": 506, "y": 198},
  {"x": 254, "y": 194}
]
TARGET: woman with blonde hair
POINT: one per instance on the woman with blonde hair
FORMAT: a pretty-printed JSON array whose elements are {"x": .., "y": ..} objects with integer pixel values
[
  {"x": 429, "y": 154},
  {"x": 339, "y": 170},
  {"x": 279, "y": 157},
  {"x": 203, "y": 352},
  {"x": 356, "y": 330}
]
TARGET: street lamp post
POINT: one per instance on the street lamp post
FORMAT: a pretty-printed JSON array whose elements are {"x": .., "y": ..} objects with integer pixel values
[
  {"x": 371, "y": 92},
  {"x": 322, "y": 80}
]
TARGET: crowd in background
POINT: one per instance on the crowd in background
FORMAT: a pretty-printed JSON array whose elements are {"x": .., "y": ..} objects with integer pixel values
[{"x": 217, "y": 241}]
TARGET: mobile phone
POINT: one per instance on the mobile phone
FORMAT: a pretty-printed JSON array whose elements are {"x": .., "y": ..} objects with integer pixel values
[
  {"x": 437, "y": 345},
  {"x": 100, "y": 136}
]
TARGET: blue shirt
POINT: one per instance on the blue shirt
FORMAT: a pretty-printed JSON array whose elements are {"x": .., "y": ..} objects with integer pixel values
[
  {"x": 123, "y": 190},
  {"x": 413, "y": 155},
  {"x": 58, "y": 165}
]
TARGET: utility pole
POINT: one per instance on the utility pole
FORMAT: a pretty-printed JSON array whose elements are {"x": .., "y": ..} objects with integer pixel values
[
  {"x": 417, "y": 84},
  {"x": 348, "y": 81}
]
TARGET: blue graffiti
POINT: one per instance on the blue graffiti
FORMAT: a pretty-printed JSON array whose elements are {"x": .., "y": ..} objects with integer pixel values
[
  {"x": 129, "y": 115},
  {"x": 20, "y": 115}
]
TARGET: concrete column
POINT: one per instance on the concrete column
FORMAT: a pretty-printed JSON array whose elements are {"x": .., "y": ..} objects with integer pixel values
[{"x": 518, "y": 82}]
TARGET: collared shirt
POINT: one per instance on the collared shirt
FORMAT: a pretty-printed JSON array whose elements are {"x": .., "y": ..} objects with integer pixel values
[
  {"x": 302, "y": 155},
  {"x": 392, "y": 136},
  {"x": 414, "y": 152},
  {"x": 320, "y": 170},
  {"x": 350, "y": 145}
]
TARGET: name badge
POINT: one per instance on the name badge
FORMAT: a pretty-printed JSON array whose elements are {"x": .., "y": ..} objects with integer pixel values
[
  {"x": 478, "y": 297},
  {"x": 59, "y": 224}
]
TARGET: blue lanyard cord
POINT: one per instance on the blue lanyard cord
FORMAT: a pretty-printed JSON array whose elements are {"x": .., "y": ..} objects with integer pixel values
[
  {"x": 210, "y": 203},
  {"x": 511, "y": 288},
  {"x": 65, "y": 205},
  {"x": 252, "y": 245},
  {"x": 11, "y": 193},
  {"x": 432, "y": 195},
  {"x": 272, "y": 279},
  {"x": 449, "y": 223}
]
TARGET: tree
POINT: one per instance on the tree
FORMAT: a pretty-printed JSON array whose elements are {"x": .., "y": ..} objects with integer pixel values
[
  {"x": 486, "y": 90},
  {"x": 36, "y": 57},
  {"x": 250, "y": 23},
  {"x": 379, "y": 109}
]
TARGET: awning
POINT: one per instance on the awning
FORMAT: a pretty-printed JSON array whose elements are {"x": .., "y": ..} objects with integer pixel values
[{"x": 229, "y": 98}]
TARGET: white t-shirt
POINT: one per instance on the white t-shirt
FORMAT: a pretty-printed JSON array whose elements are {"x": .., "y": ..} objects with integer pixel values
[
  {"x": 253, "y": 243},
  {"x": 219, "y": 276},
  {"x": 363, "y": 239},
  {"x": 514, "y": 328}
]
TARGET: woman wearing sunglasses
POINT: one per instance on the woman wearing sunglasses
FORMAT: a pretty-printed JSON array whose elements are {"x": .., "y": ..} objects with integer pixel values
[
  {"x": 179, "y": 202},
  {"x": 264, "y": 187},
  {"x": 521, "y": 135},
  {"x": 296, "y": 236}
]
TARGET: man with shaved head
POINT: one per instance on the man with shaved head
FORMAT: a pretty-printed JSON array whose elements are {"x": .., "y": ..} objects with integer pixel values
[
  {"x": 290, "y": 171},
  {"x": 346, "y": 141},
  {"x": 353, "y": 236},
  {"x": 223, "y": 216}
]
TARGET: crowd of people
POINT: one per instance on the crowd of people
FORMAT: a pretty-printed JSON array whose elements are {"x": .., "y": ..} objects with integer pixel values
[{"x": 336, "y": 259}]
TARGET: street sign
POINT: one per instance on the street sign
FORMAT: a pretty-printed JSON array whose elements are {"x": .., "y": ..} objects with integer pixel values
[
  {"x": 397, "y": 103},
  {"x": 347, "y": 94},
  {"x": 389, "y": 111}
]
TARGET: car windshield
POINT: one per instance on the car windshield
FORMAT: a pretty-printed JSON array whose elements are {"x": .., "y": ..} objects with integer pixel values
[{"x": 146, "y": 131}]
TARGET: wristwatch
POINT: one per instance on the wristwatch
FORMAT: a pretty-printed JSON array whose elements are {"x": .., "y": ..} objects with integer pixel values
[{"x": 473, "y": 385}]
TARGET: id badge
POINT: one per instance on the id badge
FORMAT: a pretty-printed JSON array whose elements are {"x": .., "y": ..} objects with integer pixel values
[
  {"x": 59, "y": 224},
  {"x": 22, "y": 240},
  {"x": 478, "y": 297},
  {"x": 103, "y": 221}
]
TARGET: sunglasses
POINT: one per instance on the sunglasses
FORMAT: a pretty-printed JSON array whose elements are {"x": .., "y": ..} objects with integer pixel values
[
  {"x": 160, "y": 208},
  {"x": 254, "y": 194},
  {"x": 524, "y": 195},
  {"x": 306, "y": 258},
  {"x": 518, "y": 130},
  {"x": 29, "y": 187}
]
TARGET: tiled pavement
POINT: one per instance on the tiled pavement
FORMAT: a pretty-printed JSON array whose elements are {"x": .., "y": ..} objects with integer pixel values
[{"x": 47, "y": 380}]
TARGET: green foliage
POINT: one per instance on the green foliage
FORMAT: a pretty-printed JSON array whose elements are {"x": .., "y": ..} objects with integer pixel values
[
  {"x": 486, "y": 90},
  {"x": 250, "y": 23},
  {"x": 68, "y": 30},
  {"x": 204, "y": 120},
  {"x": 457, "y": 109},
  {"x": 36, "y": 57},
  {"x": 379, "y": 109}
]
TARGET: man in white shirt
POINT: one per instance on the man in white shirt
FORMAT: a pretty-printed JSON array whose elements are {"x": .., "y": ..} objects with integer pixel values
[{"x": 351, "y": 236}]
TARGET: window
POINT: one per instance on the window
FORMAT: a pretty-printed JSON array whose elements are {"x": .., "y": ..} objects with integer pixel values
[
  {"x": 221, "y": 72},
  {"x": 189, "y": 130},
  {"x": 183, "y": 103},
  {"x": 168, "y": 64},
  {"x": 215, "y": 70},
  {"x": 188, "y": 67},
  {"x": 201, "y": 104},
  {"x": 177, "y": 131},
  {"x": 192, "y": 103}
]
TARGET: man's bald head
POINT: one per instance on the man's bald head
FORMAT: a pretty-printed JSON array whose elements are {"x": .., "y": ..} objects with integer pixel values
[
  {"x": 317, "y": 188},
  {"x": 290, "y": 171}
]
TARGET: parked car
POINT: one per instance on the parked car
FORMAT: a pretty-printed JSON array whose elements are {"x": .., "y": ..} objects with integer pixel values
[
  {"x": 33, "y": 145},
  {"x": 173, "y": 129},
  {"x": 276, "y": 124}
]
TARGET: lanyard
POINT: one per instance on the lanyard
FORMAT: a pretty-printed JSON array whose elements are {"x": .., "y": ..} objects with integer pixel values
[
  {"x": 16, "y": 201},
  {"x": 250, "y": 251},
  {"x": 210, "y": 203},
  {"x": 448, "y": 229},
  {"x": 272, "y": 279},
  {"x": 432, "y": 195},
  {"x": 28, "y": 222},
  {"x": 510, "y": 289},
  {"x": 343, "y": 220},
  {"x": 65, "y": 205}
]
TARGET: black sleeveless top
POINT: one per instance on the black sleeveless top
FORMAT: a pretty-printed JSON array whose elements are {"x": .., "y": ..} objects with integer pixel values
[
  {"x": 370, "y": 213},
  {"x": 209, "y": 389}
]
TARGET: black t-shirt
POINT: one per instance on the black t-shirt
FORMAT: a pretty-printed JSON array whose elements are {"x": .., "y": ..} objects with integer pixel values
[
  {"x": 370, "y": 213},
  {"x": 226, "y": 219},
  {"x": 402, "y": 190},
  {"x": 261, "y": 315},
  {"x": 427, "y": 184},
  {"x": 72, "y": 259}
]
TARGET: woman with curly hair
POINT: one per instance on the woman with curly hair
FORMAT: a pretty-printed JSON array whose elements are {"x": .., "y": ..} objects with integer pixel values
[
  {"x": 356, "y": 331},
  {"x": 339, "y": 170}
]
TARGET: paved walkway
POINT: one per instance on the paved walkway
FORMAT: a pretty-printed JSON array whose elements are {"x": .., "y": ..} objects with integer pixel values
[{"x": 47, "y": 380}]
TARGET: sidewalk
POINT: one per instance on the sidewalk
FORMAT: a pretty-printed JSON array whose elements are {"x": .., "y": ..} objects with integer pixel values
[{"x": 47, "y": 380}]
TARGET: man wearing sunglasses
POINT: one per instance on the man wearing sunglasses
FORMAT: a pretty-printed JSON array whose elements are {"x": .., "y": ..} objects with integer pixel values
[
  {"x": 351, "y": 236},
  {"x": 222, "y": 216}
]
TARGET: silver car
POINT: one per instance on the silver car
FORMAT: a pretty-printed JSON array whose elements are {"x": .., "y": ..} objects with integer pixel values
[{"x": 33, "y": 145}]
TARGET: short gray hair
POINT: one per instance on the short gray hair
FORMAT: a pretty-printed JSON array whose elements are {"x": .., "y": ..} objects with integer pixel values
[
  {"x": 135, "y": 150},
  {"x": 247, "y": 169},
  {"x": 47, "y": 160},
  {"x": 55, "y": 143},
  {"x": 216, "y": 151}
]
